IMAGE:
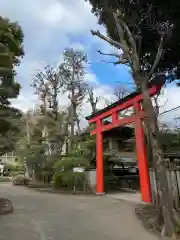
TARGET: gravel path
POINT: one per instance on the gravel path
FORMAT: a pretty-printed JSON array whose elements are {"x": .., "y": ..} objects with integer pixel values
[{"x": 44, "y": 216}]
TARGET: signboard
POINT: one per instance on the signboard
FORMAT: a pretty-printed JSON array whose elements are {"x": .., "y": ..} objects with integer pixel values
[
  {"x": 78, "y": 169},
  {"x": 1, "y": 168}
]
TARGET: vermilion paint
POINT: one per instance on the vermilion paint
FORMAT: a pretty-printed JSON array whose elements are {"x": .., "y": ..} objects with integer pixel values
[{"x": 140, "y": 144}]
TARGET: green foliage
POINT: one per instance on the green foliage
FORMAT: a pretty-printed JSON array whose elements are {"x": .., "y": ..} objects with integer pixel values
[
  {"x": 67, "y": 180},
  {"x": 82, "y": 155},
  {"x": 9, "y": 128},
  {"x": 11, "y": 35},
  {"x": 32, "y": 153},
  {"x": 40, "y": 148},
  {"x": 75, "y": 158},
  {"x": 13, "y": 169},
  {"x": 147, "y": 20},
  {"x": 5, "y": 179},
  {"x": 72, "y": 69},
  {"x": 11, "y": 48},
  {"x": 11, "y": 51},
  {"x": 110, "y": 180},
  {"x": 170, "y": 140}
]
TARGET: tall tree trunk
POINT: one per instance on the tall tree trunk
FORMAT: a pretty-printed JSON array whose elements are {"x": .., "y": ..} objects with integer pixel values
[
  {"x": 72, "y": 126},
  {"x": 78, "y": 124},
  {"x": 64, "y": 131},
  {"x": 55, "y": 104},
  {"x": 45, "y": 130},
  {"x": 27, "y": 173},
  {"x": 158, "y": 159}
]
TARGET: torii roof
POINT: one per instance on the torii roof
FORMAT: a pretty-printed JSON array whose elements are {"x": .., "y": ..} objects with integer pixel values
[{"x": 158, "y": 80}]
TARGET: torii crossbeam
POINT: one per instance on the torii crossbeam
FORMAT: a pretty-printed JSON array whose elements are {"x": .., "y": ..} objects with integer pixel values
[{"x": 134, "y": 101}]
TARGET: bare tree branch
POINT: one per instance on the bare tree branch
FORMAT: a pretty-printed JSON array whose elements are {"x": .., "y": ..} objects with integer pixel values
[
  {"x": 118, "y": 16},
  {"x": 110, "y": 41},
  {"x": 130, "y": 52},
  {"x": 145, "y": 16},
  {"x": 119, "y": 30},
  {"x": 92, "y": 99},
  {"x": 118, "y": 62},
  {"x": 158, "y": 56},
  {"x": 122, "y": 61},
  {"x": 120, "y": 92},
  {"x": 110, "y": 54},
  {"x": 119, "y": 56}
]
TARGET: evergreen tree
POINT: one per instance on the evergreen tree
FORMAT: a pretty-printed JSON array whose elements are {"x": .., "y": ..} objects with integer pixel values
[{"x": 11, "y": 51}]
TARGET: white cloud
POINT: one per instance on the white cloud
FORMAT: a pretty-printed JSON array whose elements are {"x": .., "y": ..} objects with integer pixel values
[
  {"x": 49, "y": 27},
  {"x": 91, "y": 78},
  {"x": 29, "y": 101},
  {"x": 43, "y": 16},
  {"x": 25, "y": 102},
  {"x": 168, "y": 100}
]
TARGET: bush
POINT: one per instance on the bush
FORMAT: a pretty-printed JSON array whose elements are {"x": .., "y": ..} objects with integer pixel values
[
  {"x": 15, "y": 173},
  {"x": 110, "y": 181},
  {"x": 67, "y": 180},
  {"x": 5, "y": 179},
  {"x": 20, "y": 180}
]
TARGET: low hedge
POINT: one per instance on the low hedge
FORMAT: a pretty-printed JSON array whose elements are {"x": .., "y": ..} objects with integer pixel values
[
  {"x": 15, "y": 173},
  {"x": 67, "y": 180},
  {"x": 5, "y": 179}
]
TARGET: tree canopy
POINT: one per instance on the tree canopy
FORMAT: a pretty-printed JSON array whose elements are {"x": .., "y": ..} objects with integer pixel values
[
  {"x": 11, "y": 51},
  {"x": 147, "y": 20},
  {"x": 146, "y": 33}
]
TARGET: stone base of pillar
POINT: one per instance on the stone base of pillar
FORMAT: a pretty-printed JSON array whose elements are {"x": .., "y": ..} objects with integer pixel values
[{"x": 100, "y": 194}]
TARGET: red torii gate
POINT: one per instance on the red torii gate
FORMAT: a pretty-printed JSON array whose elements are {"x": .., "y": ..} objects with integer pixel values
[{"x": 132, "y": 100}]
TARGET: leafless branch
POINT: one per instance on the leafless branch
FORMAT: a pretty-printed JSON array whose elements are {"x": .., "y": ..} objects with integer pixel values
[
  {"x": 121, "y": 60},
  {"x": 93, "y": 100},
  {"x": 110, "y": 41},
  {"x": 130, "y": 52},
  {"x": 144, "y": 17},
  {"x": 158, "y": 56},
  {"x": 110, "y": 54},
  {"x": 164, "y": 103},
  {"x": 118, "y": 16},
  {"x": 120, "y": 92},
  {"x": 107, "y": 61},
  {"x": 119, "y": 29},
  {"x": 116, "y": 63},
  {"x": 156, "y": 100}
]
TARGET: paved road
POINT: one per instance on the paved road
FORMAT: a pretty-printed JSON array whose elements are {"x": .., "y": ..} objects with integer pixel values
[{"x": 43, "y": 216}]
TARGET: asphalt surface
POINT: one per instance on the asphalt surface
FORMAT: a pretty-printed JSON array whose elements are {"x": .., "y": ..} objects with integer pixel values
[{"x": 45, "y": 216}]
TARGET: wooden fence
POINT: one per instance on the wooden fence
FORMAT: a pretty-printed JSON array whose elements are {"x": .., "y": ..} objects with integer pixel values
[{"x": 173, "y": 177}]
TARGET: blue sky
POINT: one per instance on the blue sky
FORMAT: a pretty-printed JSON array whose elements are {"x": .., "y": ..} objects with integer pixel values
[{"x": 50, "y": 27}]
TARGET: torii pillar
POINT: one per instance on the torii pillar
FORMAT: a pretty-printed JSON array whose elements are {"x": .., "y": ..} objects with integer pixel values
[{"x": 132, "y": 100}]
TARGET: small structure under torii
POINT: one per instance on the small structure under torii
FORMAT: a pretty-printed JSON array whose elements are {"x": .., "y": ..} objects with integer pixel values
[{"x": 115, "y": 118}]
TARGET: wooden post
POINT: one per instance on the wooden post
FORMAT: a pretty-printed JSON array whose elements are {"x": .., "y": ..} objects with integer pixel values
[
  {"x": 99, "y": 161},
  {"x": 142, "y": 158}
]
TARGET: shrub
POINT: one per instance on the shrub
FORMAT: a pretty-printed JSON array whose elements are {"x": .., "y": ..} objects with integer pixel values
[
  {"x": 5, "y": 179},
  {"x": 110, "y": 181},
  {"x": 67, "y": 180},
  {"x": 20, "y": 180},
  {"x": 15, "y": 173}
]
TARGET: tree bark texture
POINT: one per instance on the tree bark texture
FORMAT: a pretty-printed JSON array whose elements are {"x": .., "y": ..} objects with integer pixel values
[{"x": 158, "y": 159}]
